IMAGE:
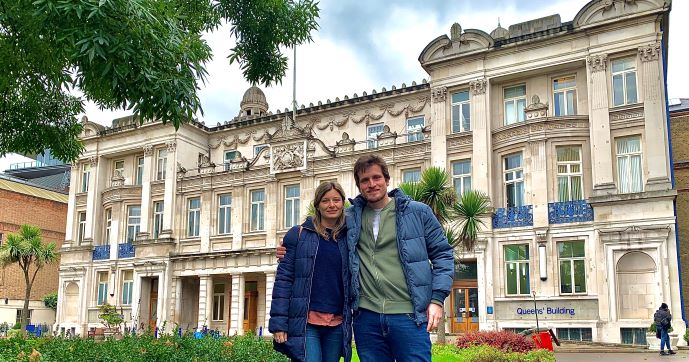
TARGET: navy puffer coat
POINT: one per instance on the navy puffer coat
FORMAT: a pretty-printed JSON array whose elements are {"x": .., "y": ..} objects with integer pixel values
[{"x": 292, "y": 291}]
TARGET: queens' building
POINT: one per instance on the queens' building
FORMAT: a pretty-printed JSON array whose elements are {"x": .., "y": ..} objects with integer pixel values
[{"x": 563, "y": 124}]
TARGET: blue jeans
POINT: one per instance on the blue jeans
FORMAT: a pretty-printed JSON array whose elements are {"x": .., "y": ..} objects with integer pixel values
[
  {"x": 323, "y": 344},
  {"x": 390, "y": 337},
  {"x": 664, "y": 339}
]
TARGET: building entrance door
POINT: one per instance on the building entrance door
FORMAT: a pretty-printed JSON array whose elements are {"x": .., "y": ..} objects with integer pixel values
[
  {"x": 250, "y": 310},
  {"x": 153, "y": 304},
  {"x": 465, "y": 311}
]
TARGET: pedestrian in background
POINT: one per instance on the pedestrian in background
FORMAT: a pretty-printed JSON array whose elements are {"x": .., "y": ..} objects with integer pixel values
[{"x": 662, "y": 318}]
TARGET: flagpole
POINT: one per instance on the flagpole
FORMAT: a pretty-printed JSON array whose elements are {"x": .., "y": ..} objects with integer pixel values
[{"x": 294, "y": 86}]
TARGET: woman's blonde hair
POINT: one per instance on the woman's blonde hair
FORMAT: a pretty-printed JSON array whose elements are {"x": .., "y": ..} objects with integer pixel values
[{"x": 321, "y": 190}]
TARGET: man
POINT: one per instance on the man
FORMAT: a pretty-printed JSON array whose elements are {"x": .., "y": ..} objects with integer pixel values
[
  {"x": 663, "y": 319},
  {"x": 397, "y": 295}
]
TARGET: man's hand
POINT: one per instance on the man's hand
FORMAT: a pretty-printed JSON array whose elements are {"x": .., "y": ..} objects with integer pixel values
[
  {"x": 280, "y": 337},
  {"x": 280, "y": 252},
  {"x": 434, "y": 313}
]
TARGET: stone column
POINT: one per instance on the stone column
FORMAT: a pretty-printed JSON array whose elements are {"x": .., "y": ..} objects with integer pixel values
[
  {"x": 270, "y": 281},
  {"x": 656, "y": 147},
  {"x": 599, "y": 118},
  {"x": 71, "y": 205},
  {"x": 91, "y": 201},
  {"x": 439, "y": 127},
  {"x": 237, "y": 307},
  {"x": 170, "y": 181},
  {"x": 238, "y": 215},
  {"x": 536, "y": 184},
  {"x": 136, "y": 300},
  {"x": 205, "y": 287},
  {"x": 146, "y": 191},
  {"x": 481, "y": 137},
  {"x": 176, "y": 301}
]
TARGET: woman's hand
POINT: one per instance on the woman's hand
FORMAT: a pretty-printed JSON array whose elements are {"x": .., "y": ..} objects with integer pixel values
[{"x": 280, "y": 337}]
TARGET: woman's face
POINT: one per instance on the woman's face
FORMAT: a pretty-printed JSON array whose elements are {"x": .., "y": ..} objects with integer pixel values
[{"x": 331, "y": 205}]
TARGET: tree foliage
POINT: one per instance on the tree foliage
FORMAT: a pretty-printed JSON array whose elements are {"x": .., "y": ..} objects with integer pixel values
[
  {"x": 144, "y": 55},
  {"x": 50, "y": 300}
]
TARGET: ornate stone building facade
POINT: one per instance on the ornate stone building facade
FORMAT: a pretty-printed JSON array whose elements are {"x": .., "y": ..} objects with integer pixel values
[{"x": 562, "y": 124}]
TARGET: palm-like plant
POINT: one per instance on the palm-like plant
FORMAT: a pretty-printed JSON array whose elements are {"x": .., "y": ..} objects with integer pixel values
[
  {"x": 27, "y": 249},
  {"x": 471, "y": 210}
]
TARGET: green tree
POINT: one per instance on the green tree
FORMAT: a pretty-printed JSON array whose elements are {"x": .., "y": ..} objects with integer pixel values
[
  {"x": 27, "y": 250},
  {"x": 50, "y": 300},
  {"x": 144, "y": 55}
]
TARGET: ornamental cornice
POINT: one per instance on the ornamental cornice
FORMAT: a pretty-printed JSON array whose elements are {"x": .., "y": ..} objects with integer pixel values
[
  {"x": 597, "y": 63},
  {"x": 650, "y": 52}
]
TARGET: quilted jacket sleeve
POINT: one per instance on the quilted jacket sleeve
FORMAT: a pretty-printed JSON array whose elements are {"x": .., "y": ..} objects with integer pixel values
[
  {"x": 440, "y": 255},
  {"x": 284, "y": 279}
]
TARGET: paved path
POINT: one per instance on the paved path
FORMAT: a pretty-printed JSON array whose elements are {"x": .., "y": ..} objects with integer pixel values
[{"x": 620, "y": 357}]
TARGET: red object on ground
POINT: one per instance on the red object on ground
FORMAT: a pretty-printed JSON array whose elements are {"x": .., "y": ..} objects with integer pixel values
[{"x": 543, "y": 340}]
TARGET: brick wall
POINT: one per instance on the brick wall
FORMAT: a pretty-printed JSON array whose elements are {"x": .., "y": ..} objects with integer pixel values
[
  {"x": 680, "y": 151},
  {"x": 51, "y": 216}
]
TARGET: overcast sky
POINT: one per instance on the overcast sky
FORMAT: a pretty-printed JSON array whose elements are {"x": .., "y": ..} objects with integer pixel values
[{"x": 369, "y": 45}]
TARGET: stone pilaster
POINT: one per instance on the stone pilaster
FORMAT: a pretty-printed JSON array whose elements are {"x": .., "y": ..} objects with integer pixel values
[
  {"x": 439, "y": 127},
  {"x": 169, "y": 198},
  {"x": 91, "y": 200},
  {"x": 599, "y": 118},
  {"x": 205, "y": 288},
  {"x": 270, "y": 282},
  {"x": 270, "y": 208},
  {"x": 237, "y": 307},
  {"x": 146, "y": 190},
  {"x": 481, "y": 139},
  {"x": 206, "y": 217},
  {"x": 238, "y": 216},
  {"x": 70, "y": 235},
  {"x": 176, "y": 301},
  {"x": 537, "y": 185}
]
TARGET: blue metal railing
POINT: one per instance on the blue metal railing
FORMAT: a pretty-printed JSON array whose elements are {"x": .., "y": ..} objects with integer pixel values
[
  {"x": 101, "y": 252},
  {"x": 569, "y": 211},
  {"x": 125, "y": 250},
  {"x": 511, "y": 217}
]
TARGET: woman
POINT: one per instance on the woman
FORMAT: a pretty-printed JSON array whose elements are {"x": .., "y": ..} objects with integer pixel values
[
  {"x": 309, "y": 316},
  {"x": 662, "y": 318}
]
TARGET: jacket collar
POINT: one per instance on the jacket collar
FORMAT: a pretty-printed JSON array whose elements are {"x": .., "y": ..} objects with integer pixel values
[{"x": 401, "y": 200}]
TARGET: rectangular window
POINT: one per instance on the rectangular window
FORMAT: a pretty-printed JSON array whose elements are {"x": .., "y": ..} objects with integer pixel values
[
  {"x": 158, "y": 210},
  {"x": 414, "y": 129},
  {"x": 20, "y": 312},
  {"x": 228, "y": 157},
  {"x": 259, "y": 148},
  {"x": 193, "y": 217},
  {"x": 461, "y": 176},
  {"x": 257, "y": 210},
  {"x": 461, "y": 112},
  {"x": 413, "y": 175},
  {"x": 291, "y": 205},
  {"x": 118, "y": 168},
  {"x": 569, "y": 174},
  {"x": 515, "y": 103},
  {"x": 133, "y": 222},
  {"x": 633, "y": 336},
  {"x": 372, "y": 133},
  {"x": 161, "y": 164},
  {"x": 127, "y": 286},
  {"x": 565, "y": 96},
  {"x": 82, "y": 227},
  {"x": 139, "y": 170},
  {"x": 85, "y": 177},
  {"x": 517, "y": 269},
  {"x": 108, "y": 226},
  {"x": 224, "y": 214},
  {"x": 572, "y": 267},
  {"x": 623, "y": 81},
  {"x": 218, "y": 302},
  {"x": 575, "y": 334},
  {"x": 514, "y": 180},
  {"x": 629, "y": 173},
  {"x": 102, "y": 288}
]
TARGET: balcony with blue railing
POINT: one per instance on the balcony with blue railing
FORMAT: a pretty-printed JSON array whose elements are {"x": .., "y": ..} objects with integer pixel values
[
  {"x": 512, "y": 217},
  {"x": 569, "y": 211},
  {"x": 125, "y": 250},
  {"x": 101, "y": 252}
]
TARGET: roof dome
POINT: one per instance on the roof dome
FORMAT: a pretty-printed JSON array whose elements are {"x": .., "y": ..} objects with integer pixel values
[
  {"x": 254, "y": 96},
  {"x": 499, "y": 33}
]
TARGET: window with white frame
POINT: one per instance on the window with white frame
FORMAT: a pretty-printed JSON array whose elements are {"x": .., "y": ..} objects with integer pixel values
[
  {"x": 565, "y": 96},
  {"x": 127, "y": 286},
  {"x": 108, "y": 225},
  {"x": 161, "y": 164},
  {"x": 291, "y": 205},
  {"x": 139, "y": 170},
  {"x": 572, "y": 267},
  {"x": 228, "y": 156},
  {"x": 257, "y": 210},
  {"x": 218, "y": 302},
  {"x": 629, "y": 173},
  {"x": 259, "y": 148},
  {"x": 193, "y": 216},
  {"x": 517, "y": 269},
  {"x": 372, "y": 132},
  {"x": 133, "y": 222},
  {"x": 514, "y": 180},
  {"x": 82, "y": 227},
  {"x": 224, "y": 214},
  {"x": 414, "y": 129},
  {"x": 118, "y": 168},
  {"x": 623, "y": 81},
  {"x": 102, "y": 295},
  {"x": 515, "y": 103},
  {"x": 85, "y": 177},
  {"x": 461, "y": 112},
  {"x": 411, "y": 175},
  {"x": 569, "y": 174},
  {"x": 158, "y": 210},
  {"x": 461, "y": 176}
]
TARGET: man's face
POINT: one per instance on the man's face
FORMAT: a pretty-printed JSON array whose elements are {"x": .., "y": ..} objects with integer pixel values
[{"x": 372, "y": 184}]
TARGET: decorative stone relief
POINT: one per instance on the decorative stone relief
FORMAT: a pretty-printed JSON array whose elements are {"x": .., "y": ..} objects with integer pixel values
[
  {"x": 439, "y": 94},
  {"x": 536, "y": 109},
  {"x": 148, "y": 149},
  {"x": 180, "y": 169},
  {"x": 93, "y": 160},
  {"x": 478, "y": 86},
  {"x": 231, "y": 142},
  {"x": 649, "y": 52},
  {"x": 117, "y": 179},
  {"x": 345, "y": 144},
  {"x": 387, "y": 138},
  {"x": 171, "y": 146},
  {"x": 459, "y": 142},
  {"x": 597, "y": 63},
  {"x": 289, "y": 156}
]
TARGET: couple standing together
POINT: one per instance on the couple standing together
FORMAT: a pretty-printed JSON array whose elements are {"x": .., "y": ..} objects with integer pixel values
[{"x": 383, "y": 267}]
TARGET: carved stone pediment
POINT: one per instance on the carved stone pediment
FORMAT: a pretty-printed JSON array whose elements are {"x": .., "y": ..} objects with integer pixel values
[
  {"x": 536, "y": 109},
  {"x": 387, "y": 138},
  {"x": 600, "y": 11}
]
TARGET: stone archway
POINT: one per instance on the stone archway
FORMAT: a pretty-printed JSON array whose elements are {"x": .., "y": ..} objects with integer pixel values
[
  {"x": 637, "y": 287},
  {"x": 71, "y": 302}
]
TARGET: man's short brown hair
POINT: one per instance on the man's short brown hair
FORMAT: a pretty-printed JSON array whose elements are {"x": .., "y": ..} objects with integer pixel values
[{"x": 366, "y": 161}]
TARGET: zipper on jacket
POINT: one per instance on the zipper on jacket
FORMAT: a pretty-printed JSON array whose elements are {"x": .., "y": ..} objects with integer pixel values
[{"x": 308, "y": 300}]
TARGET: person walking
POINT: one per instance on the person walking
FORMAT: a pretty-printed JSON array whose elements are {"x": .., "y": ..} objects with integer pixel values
[
  {"x": 663, "y": 319},
  {"x": 310, "y": 318}
]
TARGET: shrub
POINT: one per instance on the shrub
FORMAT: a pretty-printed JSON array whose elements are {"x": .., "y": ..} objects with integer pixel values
[
  {"x": 50, "y": 300},
  {"x": 491, "y": 354},
  {"x": 110, "y": 317},
  {"x": 502, "y": 340},
  {"x": 652, "y": 328},
  {"x": 686, "y": 335}
]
